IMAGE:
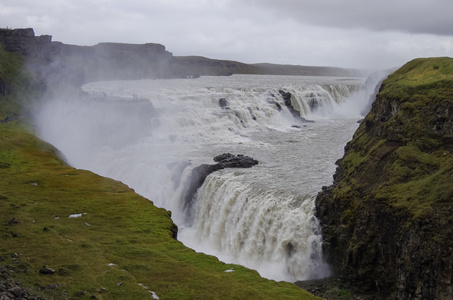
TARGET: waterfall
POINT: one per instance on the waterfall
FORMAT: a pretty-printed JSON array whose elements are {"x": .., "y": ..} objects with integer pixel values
[
  {"x": 260, "y": 217},
  {"x": 261, "y": 228},
  {"x": 321, "y": 99}
]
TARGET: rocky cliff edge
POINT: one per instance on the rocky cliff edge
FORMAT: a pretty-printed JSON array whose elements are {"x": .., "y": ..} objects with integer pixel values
[{"x": 388, "y": 219}]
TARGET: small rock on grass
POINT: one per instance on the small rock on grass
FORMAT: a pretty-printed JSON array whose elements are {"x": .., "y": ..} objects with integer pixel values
[
  {"x": 13, "y": 221},
  {"x": 47, "y": 271}
]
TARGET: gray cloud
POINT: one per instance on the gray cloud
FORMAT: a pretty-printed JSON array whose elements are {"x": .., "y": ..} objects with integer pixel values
[
  {"x": 347, "y": 33},
  {"x": 412, "y": 16}
]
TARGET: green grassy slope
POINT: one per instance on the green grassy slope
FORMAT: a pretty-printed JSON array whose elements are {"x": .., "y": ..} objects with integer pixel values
[{"x": 120, "y": 247}]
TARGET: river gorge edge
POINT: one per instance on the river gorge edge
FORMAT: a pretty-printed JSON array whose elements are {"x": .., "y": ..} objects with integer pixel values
[
  {"x": 387, "y": 218},
  {"x": 365, "y": 226},
  {"x": 71, "y": 234}
]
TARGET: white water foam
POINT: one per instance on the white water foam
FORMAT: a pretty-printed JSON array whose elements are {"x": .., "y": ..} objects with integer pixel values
[{"x": 261, "y": 217}]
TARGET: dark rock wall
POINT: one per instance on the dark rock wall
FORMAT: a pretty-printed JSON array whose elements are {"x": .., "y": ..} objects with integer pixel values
[
  {"x": 25, "y": 42},
  {"x": 387, "y": 219}
]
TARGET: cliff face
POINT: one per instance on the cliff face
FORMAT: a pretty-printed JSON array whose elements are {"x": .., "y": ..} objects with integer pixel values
[
  {"x": 76, "y": 65},
  {"x": 116, "y": 61},
  {"x": 189, "y": 66},
  {"x": 25, "y": 42},
  {"x": 387, "y": 219}
]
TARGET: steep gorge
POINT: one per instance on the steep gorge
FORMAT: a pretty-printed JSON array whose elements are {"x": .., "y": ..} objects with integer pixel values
[
  {"x": 387, "y": 219},
  {"x": 96, "y": 237}
]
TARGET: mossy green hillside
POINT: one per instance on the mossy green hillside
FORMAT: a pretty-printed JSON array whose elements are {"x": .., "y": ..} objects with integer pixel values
[
  {"x": 405, "y": 157},
  {"x": 387, "y": 218},
  {"x": 426, "y": 75},
  {"x": 99, "y": 236},
  {"x": 118, "y": 245}
]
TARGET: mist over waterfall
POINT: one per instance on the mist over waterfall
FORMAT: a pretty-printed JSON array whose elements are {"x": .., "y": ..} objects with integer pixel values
[{"x": 150, "y": 134}]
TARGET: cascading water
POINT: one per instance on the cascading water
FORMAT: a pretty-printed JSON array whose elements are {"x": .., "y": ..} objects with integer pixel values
[
  {"x": 262, "y": 217},
  {"x": 275, "y": 233}
]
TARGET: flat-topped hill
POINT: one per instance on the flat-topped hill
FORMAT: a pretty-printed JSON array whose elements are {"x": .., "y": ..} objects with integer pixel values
[{"x": 109, "y": 61}]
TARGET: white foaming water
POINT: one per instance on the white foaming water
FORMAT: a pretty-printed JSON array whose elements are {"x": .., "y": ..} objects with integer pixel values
[{"x": 262, "y": 217}]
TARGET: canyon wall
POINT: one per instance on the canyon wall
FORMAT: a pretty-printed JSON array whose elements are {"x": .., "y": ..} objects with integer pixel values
[{"x": 387, "y": 219}]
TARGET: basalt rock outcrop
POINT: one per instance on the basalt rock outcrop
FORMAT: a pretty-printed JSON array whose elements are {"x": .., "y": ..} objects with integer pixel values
[
  {"x": 288, "y": 102},
  {"x": 25, "y": 42},
  {"x": 387, "y": 220}
]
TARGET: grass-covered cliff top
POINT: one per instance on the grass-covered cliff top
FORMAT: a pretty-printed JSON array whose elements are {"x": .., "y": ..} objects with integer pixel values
[
  {"x": 387, "y": 218},
  {"x": 403, "y": 151},
  {"x": 97, "y": 235},
  {"x": 423, "y": 71},
  {"x": 423, "y": 74}
]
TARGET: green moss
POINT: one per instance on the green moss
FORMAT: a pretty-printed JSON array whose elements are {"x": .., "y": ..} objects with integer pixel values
[
  {"x": 407, "y": 150},
  {"x": 423, "y": 72},
  {"x": 121, "y": 247},
  {"x": 120, "y": 244},
  {"x": 338, "y": 293},
  {"x": 427, "y": 79},
  {"x": 419, "y": 180}
]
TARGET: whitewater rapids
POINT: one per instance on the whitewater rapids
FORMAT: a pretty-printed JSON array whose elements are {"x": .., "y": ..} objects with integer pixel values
[{"x": 262, "y": 217}]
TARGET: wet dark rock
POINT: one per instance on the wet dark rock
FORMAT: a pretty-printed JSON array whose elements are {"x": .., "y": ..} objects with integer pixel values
[
  {"x": 251, "y": 113},
  {"x": 287, "y": 98},
  {"x": 228, "y": 160},
  {"x": 223, "y": 103},
  {"x": 199, "y": 174}
]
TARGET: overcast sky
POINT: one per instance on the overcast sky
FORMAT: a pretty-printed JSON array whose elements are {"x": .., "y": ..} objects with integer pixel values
[{"x": 343, "y": 33}]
